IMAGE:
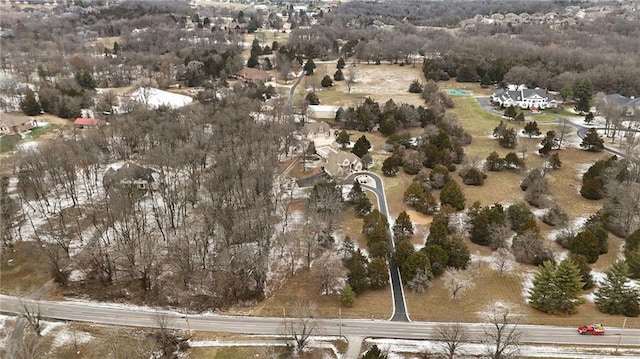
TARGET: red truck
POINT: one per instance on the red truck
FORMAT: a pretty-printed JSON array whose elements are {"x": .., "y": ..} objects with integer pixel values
[{"x": 592, "y": 329}]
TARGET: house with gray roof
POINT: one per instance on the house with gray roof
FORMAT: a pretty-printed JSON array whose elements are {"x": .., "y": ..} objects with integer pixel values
[
  {"x": 340, "y": 164},
  {"x": 630, "y": 104}
]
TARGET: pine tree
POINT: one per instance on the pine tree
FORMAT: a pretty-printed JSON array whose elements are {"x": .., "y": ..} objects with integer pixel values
[
  {"x": 592, "y": 141},
  {"x": 341, "y": 64},
  {"x": 29, "y": 105},
  {"x": 494, "y": 162},
  {"x": 356, "y": 192},
  {"x": 357, "y": 272},
  {"x": 554, "y": 161},
  {"x": 338, "y": 75},
  {"x": 343, "y": 138},
  {"x": 615, "y": 296},
  {"x": 363, "y": 206},
  {"x": 531, "y": 129},
  {"x": 632, "y": 253},
  {"x": 583, "y": 93},
  {"x": 348, "y": 296},
  {"x": 541, "y": 294},
  {"x": 510, "y": 112},
  {"x": 378, "y": 273},
  {"x": 403, "y": 228},
  {"x": 438, "y": 231},
  {"x": 361, "y": 146},
  {"x": 452, "y": 195},
  {"x": 569, "y": 286},
  {"x": 309, "y": 66},
  {"x": 326, "y": 81}
]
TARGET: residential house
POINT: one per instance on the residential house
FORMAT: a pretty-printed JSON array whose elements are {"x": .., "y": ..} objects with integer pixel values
[
  {"x": 15, "y": 124},
  {"x": 82, "y": 122},
  {"x": 524, "y": 98},
  {"x": 630, "y": 104},
  {"x": 128, "y": 178},
  {"x": 249, "y": 74},
  {"x": 314, "y": 130},
  {"x": 340, "y": 164}
]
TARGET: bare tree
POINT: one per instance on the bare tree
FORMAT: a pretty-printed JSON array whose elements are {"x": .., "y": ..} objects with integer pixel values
[
  {"x": 302, "y": 325},
  {"x": 502, "y": 336},
  {"x": 29, "y": 346},
  {"x": 451, "y": 338},
  {"x": 503, "y": 261},
  {"x": 564, "y": 129},
  {"x": 33, "y": 315},
  {"x": 328, "y": 271},
  {"x": 458, "y": 282}
]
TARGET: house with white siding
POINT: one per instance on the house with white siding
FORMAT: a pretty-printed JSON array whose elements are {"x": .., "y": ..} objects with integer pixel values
[{"x": 524, "y": 98}]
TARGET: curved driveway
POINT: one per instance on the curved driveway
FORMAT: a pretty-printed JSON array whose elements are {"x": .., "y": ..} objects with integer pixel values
[
  {"x": 142, "y": 317},
  {"x": 399, "y": 304}
]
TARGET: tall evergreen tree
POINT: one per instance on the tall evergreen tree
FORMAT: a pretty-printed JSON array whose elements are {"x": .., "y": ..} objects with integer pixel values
[
  {"x": 357, "y": 272},
  {"x": 541, "y": 294},
  {"x": 343, "y": 138},
  {"x": 615, "y": 296},
  {"x": 378, "y": 273},
  {"x": 361, "y": 147},
  {"x": 403, "y": 228},
  {"x": 29, "y": 105},
  {"x": 557, "y": 289},
  {"x": 583, "y": 93}
]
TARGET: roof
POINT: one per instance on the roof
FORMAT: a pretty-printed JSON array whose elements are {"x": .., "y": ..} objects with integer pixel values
[
  {"x": 252, "y": 74},
  {"x": 10, "y": 120},
  {"x": 126, "y": 172},
  {"x": 336, "y": 161},
  {"x": 315, "y": 127},
  {"x": 80, "y": 121}
]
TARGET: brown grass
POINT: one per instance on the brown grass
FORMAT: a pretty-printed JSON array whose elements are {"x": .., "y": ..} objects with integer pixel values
[
  {"x": 371, "y": 304},
  {"x": 25, "y": 270}
]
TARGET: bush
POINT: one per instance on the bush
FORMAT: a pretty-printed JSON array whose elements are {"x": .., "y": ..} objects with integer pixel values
[
  {"x": 312, "y": 98},
  {"x": 326, "y": 81},
  {"x": 555, "y": 216},
  {"x": 415, "y": 87},
  {"x": 472, "y": 176}
]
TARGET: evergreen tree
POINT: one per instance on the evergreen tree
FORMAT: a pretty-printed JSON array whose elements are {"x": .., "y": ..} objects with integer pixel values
[
  {"x": 401, "y": 252},
  {"x": 438, "y": 231},
  {"x": 589, "y": 117},
  {"x": 363, "y": 206},
  {"x": 378, "y": 273},
  {"x": 531, "y": 129},
  {"x": 374, "y": 353},
  {"x": 557, "y": 289},
  {"x": 512, "y": 161},
  {"x": 438, "y": 258},
  {"x": 592, "y": 141},
  {"x": 569, "y": 286},
  {"x": 403, "y": 228},
  {"x": 326, "y": 81},
  {"x": 357, "y": 272},
  {"x": 509, "y": 138},
  {"x": 510, "y": 112},
  {"x": 485, "y": 81},
  {"x": 338, "y": 75},
  {"x": 348, "y": 296},
  {"x": 391, "y": 165},
  {"x": 566, "y": 93},
  {"x": 417, "y": 262},
  {"x": 343, "y": 138},
  {"x": 361, "y": 147},
  {"x": 85, "y": 80},
  {"x": 356, "y": 192},
  {"x": 452, "y": 195},
  {"x": 520, "y": 117},
  {"x": 632, "y": 253},
  {"x": 585, "y": 270},
  {"x": 415, "y": 87},
  {"x": 312, "y": 98},
  {"x": 29, "y": 105},
  {"x": 549, "y": 142},
  {"x": 542, "y": 293},
  {"x": 583, "y": 93},
  {"x": 615, "y": 296},
  {"x": 494, "y": 162},
  {"x": 587, "y": 244},
  {"x": 458, "y": 253},
  {"x": 253, "y": 62},
  {"x": 341, "y": 64},
  {"x": 309, "y": 66}
]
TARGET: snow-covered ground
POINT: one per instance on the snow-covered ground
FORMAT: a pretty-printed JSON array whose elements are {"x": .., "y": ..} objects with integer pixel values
[
  {"x": 154, "y": 97},
  {"x": 398, "y": 349}
]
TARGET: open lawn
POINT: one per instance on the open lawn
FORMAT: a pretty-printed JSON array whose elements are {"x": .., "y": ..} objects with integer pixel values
[
  {"x": 25, "y": 270},
  {"x": 371, "y": 304}
]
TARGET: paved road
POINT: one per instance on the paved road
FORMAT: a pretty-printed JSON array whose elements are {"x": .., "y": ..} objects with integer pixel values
[
  {"x": 293, "y": 88},
  {"x": 399, "y": 304},
  {"x": 127, "y": 316}
]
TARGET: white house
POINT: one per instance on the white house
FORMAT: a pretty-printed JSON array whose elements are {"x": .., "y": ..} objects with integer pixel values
[{"x": 524, "y": 98}]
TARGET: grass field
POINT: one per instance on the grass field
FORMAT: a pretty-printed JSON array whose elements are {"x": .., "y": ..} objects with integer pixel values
[{"x": 25, "y": 270}]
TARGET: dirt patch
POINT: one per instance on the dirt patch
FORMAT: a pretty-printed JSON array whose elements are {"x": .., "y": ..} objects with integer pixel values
[{"x": 26, "y": 269}]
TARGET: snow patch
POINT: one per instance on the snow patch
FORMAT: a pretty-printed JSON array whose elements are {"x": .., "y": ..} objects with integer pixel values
[{"x": 65, "y": 336}]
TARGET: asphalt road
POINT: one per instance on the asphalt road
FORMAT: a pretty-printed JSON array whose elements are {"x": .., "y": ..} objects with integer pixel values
[
  {"x": 126, "y": 316},
  {"x": 399, "y": 304}
]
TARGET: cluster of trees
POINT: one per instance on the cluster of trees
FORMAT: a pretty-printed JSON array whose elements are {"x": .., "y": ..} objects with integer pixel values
[
  {"x": 492, "y": 226},
  {"x": 202, "y": 231},
  {"x": 442, "y": 251},
  {"x": 558, "y": 288},
  {"x": 590, "y": 242},
  {"x": 369, "y": 272}
]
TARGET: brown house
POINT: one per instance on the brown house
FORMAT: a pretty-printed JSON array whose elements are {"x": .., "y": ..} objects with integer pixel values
[
  {"x": 251, "y": 74},
  {"x": 15, "y": 124}
]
